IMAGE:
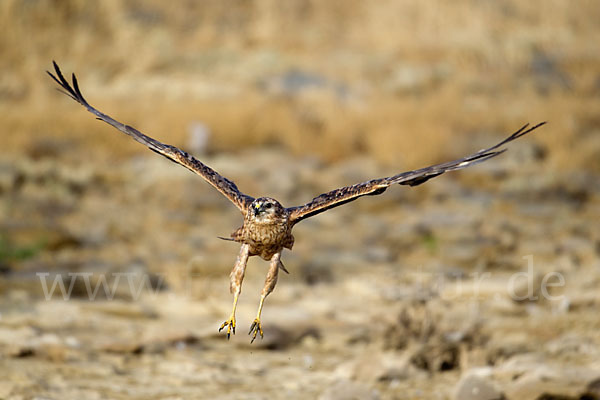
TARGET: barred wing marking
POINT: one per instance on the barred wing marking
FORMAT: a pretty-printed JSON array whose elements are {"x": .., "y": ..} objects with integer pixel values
[
  {"x": 373, "y": 187},
  {"x": 219, "y": 182}
]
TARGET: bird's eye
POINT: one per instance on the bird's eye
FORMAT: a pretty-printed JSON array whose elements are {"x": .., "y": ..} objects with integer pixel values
[{"x": 268, "y": 205}]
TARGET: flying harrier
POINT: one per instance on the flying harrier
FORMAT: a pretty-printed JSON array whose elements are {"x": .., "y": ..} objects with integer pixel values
[{"x": 267, "y": 226}]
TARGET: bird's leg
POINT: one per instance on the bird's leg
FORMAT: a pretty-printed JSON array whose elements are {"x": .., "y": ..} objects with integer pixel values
[
  {"x": 235, "y": 287},
  {"x": 270, "y": 283}
]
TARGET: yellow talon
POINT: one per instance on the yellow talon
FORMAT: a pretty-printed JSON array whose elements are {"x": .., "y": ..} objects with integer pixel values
[
  {"x": 256, "y": 328},
  {"x": 230, "y": 324}
]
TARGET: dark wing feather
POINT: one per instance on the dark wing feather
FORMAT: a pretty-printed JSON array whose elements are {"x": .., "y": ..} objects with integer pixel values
[
  {"x": 222, "y": 184},
  {"x": 347, "y": 194}
]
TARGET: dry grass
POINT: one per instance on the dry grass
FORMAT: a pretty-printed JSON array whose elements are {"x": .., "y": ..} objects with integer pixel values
[{"x": 398, "y": 80}]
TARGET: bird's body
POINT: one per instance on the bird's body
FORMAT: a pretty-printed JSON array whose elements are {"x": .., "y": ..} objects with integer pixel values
[
  {"x": 266, "y": 229},
  {"x": 267, "y": 225}
]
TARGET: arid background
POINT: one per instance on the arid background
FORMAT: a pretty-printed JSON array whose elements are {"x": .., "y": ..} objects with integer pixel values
[{"x": 480, "y": 284}]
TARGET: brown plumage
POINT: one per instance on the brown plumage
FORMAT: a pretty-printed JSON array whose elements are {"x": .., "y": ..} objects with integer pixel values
[{"x": 267, "y": 225}]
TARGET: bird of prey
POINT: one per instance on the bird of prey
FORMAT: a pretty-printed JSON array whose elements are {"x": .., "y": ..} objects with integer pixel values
[{"x": 267, "y": 226}]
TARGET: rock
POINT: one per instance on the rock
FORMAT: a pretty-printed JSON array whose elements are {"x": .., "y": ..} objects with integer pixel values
[
  {"x": 375, "y": 366},
  {"x": 15, "y": 342},
  {"x": 532, "y": 377},
  {"x": 593, "y": 390},
  {"x": 348, "y": 390},
  {"x": 476, "y": 385},
  {"x": 533, "y": 387}
]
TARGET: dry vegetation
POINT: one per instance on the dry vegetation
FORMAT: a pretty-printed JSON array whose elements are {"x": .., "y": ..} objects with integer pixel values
[{"x": 398, "y": 80}]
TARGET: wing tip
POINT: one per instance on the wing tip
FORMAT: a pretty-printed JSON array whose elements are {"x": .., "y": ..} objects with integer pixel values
[
  {"x": 72, "y": 91},
  {"x": 524, "y": 130}
]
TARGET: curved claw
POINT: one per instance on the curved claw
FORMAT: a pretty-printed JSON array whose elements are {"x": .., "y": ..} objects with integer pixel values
[
  {"x": 230, "y": 324},
  {"x": 255, "y": 329}
]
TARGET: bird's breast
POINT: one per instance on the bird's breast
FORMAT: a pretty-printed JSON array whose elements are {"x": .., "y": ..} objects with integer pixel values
[
  {"x": 266, "y": 234},
  {"x": 267, "y": 239}
]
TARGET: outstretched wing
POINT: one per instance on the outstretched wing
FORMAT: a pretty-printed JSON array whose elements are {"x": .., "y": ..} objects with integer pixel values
[
  {"x": 373, "y": 187},
  {"x": 222, "y": 184}
]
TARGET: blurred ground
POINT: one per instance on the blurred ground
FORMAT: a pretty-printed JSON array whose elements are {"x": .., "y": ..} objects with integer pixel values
[{"x": 449, "y": 290}]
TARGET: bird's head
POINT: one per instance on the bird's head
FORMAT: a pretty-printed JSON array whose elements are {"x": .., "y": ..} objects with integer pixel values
[{"x": 266, "y": 209}]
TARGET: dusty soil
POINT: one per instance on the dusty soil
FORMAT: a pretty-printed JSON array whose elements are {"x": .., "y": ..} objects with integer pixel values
[{"x": 481, "y": 284}]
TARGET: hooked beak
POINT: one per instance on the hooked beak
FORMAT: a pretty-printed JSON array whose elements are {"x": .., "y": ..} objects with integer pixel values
[{"x": 257, "y": 208}]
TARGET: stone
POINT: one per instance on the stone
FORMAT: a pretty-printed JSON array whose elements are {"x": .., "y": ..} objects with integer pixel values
[
  {"x": 476, "y": 385},
  {"x": 349, "y": 390}
]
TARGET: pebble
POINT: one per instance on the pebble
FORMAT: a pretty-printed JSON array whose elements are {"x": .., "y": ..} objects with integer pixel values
[
  {"x": 349, "y": 390},
  {"x": 476, "y": 385}
]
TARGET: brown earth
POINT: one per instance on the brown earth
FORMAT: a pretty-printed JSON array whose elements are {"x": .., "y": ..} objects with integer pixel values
[{"x": 480, "y": 284}]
